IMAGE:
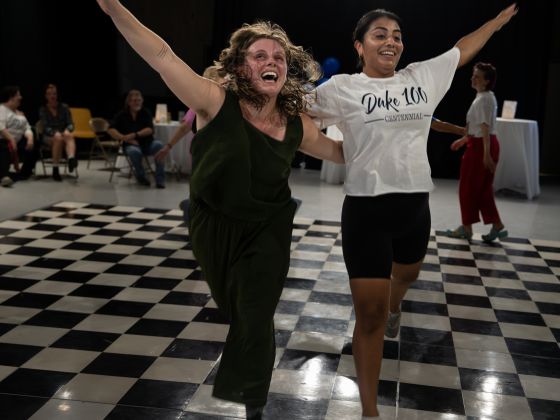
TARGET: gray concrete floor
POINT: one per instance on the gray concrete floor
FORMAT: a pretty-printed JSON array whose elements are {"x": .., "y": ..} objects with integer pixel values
[{"x": 537, "y": 219}]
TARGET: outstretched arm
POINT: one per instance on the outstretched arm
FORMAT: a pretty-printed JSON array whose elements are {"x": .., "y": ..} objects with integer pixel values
[
  {"x": 182, "y": 131},
  {"x": 445, "y": 127},
  {"x": 471, "y": 44},
  {"x": 316, "y": 144},
  {"x": 204, "y": 96}
]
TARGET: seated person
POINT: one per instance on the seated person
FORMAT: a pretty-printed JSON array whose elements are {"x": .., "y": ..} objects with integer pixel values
[
  {"x": 5, "y": 179},
  {"x": 15, "y": 129},
  {"x": 134, "y": 127},
  {"x": 58, "y": 127}
]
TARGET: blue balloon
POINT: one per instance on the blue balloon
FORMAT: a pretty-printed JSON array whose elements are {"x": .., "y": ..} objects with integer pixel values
[{"x": 330, "y": 66}]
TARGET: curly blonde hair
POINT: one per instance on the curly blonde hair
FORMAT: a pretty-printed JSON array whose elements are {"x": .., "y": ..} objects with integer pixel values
[{"x": 303, "y": 70}]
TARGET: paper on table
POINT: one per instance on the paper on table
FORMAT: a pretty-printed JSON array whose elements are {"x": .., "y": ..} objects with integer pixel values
[
  {"x": 161, "y": 113},
  {"x": 508, "y": 111}
]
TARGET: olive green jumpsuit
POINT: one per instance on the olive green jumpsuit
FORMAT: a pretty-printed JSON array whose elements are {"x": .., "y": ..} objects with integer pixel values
[{"x": 240, "y": 226}]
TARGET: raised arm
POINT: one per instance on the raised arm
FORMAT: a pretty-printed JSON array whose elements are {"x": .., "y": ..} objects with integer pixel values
[
  {"x": 204, "y": 96},
  {"x": 316, "y": 144},
  {"x": 471, "y": 44}
]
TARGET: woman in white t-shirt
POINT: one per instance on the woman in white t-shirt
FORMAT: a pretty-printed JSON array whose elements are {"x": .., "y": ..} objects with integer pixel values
[
  {"x": 476, "y": 192},
  {"x": 385, "y": 118}
]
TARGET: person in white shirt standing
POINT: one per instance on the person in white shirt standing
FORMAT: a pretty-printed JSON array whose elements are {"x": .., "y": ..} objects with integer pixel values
[
  {"x": 478, "y": 164},
  {"x": 385, "y": 118}
]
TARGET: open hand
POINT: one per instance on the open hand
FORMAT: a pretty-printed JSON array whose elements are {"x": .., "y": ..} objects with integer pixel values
[
  {"x": 162, "y": 154},
  {"x": 505, "y": 15},
  {"x": 457, "y": 144},
  {"x": 489, "y": 163}
]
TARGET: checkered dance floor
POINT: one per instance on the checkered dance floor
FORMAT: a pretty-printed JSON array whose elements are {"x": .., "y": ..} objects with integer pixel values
[{"x": 103, "y": 314}]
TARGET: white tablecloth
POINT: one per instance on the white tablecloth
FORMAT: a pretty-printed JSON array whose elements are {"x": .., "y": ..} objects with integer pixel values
[
  {"x": 179, "y": 157},
  {"x": 333, "y": 173},
  {"x": 518, "y": 167}
]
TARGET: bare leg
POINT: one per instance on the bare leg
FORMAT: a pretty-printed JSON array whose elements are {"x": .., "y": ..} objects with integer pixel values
[
  {"x": 468, "y": 229},
  {"x": 70, "y": 145},
  {"x": 371, "y": 301},
  {"x": 56, "y": 149},
  {"x": 498, "y": 225},
  {"x": 403, "y": 275}
]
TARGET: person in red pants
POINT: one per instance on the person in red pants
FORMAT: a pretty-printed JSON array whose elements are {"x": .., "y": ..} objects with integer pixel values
[{"x": 476, "y": 192}]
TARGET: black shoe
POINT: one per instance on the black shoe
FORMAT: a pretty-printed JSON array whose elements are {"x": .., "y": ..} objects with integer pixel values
[
  {"x": 143, "y": 181},
  {"x": 160, "y": 186},
  {"x": 56, "y": 175},
  {"x": 254, "y": 413},
  {"x": 72, "y": 164}
]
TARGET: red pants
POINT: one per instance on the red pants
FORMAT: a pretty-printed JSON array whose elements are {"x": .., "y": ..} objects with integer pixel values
[{"x": 476, "y": 193}]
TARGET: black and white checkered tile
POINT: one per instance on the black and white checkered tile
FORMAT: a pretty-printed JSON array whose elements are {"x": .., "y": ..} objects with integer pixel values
[{"x": 104, "y": 314}]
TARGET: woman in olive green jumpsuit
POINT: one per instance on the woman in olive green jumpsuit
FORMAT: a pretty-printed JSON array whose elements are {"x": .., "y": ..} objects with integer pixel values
[
  {"x": 241, "y": 217},
  {"x": 241, "y": 209}
]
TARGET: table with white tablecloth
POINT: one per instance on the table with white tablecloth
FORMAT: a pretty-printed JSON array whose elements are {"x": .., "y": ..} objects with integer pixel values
[
  {"x": 179, "y": 158},
  {"x": 333, "y": 173},
  {"x": 518, "y": 167}
]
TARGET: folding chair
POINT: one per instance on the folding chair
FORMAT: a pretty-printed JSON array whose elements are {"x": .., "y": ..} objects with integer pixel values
[
  {"x": 102, "y": 143},
  {"x": 80, "y": 118},
  {"x": 122, "y": 154}
]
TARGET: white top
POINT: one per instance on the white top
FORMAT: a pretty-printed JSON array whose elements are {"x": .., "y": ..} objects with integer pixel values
[
  {"x": 483, "y": 110},
  {"x": 17, "y": 125},
  {"x": 385, "y": 124}
]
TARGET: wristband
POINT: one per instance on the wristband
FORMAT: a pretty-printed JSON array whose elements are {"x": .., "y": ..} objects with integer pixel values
[{"x": 136, "y": 135}]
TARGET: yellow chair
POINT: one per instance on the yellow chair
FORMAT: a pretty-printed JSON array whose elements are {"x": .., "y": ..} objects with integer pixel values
[{"x": 82, "y": 129}]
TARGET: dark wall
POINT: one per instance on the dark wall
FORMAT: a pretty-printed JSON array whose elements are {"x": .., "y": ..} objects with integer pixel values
[
  {"x": 186, "y": 25},
  {"x": 550, "y": 156},
  {"x": 72, "y": 43},
  {"x": 65, "y": 42}
]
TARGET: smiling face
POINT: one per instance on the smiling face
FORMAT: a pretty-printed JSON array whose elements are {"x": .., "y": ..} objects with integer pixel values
[
  {"x": 380, "y": 48},
  {"x": 265, "y": 66}
]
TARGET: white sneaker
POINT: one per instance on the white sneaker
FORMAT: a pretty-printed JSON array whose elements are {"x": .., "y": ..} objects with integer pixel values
[
  {"x": 6, "y": 181},
  {"x": 393, "y": 324}
]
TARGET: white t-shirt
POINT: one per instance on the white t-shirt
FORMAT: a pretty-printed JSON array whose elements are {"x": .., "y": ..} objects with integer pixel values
[
  {"x": 385, "y": 124},
  {"x": 17, "y": 125},
  {"x": 483, "y": 110}
]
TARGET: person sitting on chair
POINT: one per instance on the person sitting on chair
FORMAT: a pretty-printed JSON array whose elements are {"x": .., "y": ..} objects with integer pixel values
[
  {"x": 5, "y": 179},
  {"x": 15, "y": 128},
  {"x": 134, "y": 128},
  {"x": 58, "y": 127}
]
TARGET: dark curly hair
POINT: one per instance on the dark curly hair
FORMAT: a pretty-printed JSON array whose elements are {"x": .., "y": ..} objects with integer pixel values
[
  {"x": 365, "y": 22},
  {"x": 302, "y": 69}
]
